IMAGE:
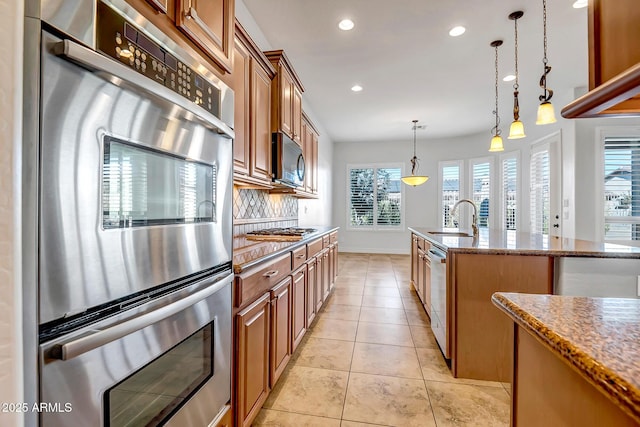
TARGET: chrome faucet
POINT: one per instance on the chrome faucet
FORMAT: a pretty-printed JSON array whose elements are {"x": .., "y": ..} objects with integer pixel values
[{"x": 474, "y": 221}]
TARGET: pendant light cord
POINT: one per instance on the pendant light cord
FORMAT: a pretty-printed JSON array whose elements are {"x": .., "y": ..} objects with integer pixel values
[
  {"x": 496, "y": 130},
  {"x": 516, "y": 85},
  {"x": 547, "y": 93},
  {"x": 414, "y": 159}
]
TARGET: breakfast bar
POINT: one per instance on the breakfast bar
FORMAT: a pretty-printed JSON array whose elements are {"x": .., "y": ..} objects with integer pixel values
[{"x": 575, "y": 360}]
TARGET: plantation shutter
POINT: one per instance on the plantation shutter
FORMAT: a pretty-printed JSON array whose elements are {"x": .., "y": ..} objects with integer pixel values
[
  {"x": 540, "y": 189},
  {"x": 361, "y": 199},
  {"x": 481, "y": 191},
  {"x": 375, "y": 197},
  {"x": 450, "y": 192},
  {"x": 509, "y": 193},
  {"x": 622, "y": 189}
]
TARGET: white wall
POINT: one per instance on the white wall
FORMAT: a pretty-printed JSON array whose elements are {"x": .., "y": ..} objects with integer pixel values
[
  {"x": 11, "y": 366},
  {"x": 311, "y": 212}
]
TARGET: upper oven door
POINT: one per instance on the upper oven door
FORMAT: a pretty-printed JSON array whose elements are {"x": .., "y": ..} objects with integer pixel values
[{"x": 136, "y": 185}]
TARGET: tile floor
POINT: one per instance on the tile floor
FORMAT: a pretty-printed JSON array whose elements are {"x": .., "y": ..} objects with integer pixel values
[{"x": 370, "y": 359}]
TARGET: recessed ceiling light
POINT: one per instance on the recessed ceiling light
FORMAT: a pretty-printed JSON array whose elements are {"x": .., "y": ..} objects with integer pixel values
[
  {"x": 509, "y": 78},
  {"x": 580, "y": 4},
  {"x": 346, "y": 24},
  {"x": 356, "y": 88},
  {"x": 457, "y": 31}
]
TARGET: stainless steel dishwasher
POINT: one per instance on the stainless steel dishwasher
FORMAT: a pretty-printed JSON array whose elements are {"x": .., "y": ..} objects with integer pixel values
[{"x": 439, "y": 297}]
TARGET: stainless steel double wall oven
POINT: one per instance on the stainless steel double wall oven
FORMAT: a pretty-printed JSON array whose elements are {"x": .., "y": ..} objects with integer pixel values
[{"x": 134, "y": 221}]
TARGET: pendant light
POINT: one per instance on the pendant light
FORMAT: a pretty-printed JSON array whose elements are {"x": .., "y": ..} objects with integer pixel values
[
  {"x": 496, "y": 141},
  {"x": 546, "y": 113},
  {"x": 414, "y": 179},
  {"x": 516, "y": 130}
]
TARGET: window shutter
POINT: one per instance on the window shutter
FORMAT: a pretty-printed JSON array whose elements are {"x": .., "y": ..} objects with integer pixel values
[
  {"x": 622, "y": 189},
  {"x": 375, "y": 197},
  {"x": 361, "y": 197},
  {"x": 481, "y": 191},
  {"x": 509, "y": 193},
  {"x": 450, "y": 192},
  {"x": 388, "y": 212},
  {"x": 539, "y": 196}
]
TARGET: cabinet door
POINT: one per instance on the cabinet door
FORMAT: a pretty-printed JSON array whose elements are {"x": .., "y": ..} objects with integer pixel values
[
  {"x": 326, "y": 269},
  {"x": 414, "y": 260},
  {"x": 280, "y": 329},
  {"x": 286, "y": 101},
  {"x": 160, "y": 5},
  {"x": 314, "y": 164},
  {"x": 319, "y": 284},
  {"x": 260, "y": 123},
  {"x": 332, "y": 266},
  {"x": 252, "y": 367},
  {"x": 209, "y": 24},
  {"x": 427, "y": 284},
  {"x": 311, "y": 287},
  {"x": 296, "y": 115},
  {"x": 335, "y": 264},
  {"x": 299, "y": 313},
  {"x": 241, "y": 88}
]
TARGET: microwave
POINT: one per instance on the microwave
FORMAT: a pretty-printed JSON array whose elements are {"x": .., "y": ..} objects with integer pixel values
[{"x": 288, "y": 161}]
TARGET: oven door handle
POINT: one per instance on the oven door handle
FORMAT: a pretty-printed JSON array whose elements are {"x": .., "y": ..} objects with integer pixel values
[
  {"x": 100, "y": 64},
  {"x": 99, "y": 337}
]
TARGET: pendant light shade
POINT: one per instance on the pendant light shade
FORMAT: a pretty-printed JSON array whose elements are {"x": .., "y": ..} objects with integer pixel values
[
  {"x": 414, "y": 179},
  {"x": 516, "y": 130},
  {"x": 546, "y": 113},
  {"x": 496, "y": 141},
  {"x": 496, "y": 144}
]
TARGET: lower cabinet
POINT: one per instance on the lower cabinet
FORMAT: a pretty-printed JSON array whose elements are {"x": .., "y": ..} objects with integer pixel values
[
  {"x": 326, "y": 275},
  {"x": 252, "y": 358},
  {"x": 280, "y": 329},
  {"x": 320, "y": 281},
  {"x": 311, "y": 290},
  {"x": 298, "y": 312}
]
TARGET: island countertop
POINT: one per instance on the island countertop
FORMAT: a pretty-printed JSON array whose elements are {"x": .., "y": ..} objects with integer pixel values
[
  {"x": 499, "y": 242},
  {"x": 599, "y": 337}
]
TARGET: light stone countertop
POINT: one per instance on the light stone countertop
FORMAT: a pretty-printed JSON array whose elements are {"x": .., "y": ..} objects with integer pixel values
[
  {"x": 600, "y": 337},
  {"x": 500, "y": 242}
]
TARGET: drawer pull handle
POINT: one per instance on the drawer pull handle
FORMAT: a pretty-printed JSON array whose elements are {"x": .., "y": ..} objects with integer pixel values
[
  {"x": 299, "y": 256},
  {"x": 271, "y": 273}
]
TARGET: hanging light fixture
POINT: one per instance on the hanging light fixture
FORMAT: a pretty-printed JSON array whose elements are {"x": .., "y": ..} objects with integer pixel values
[
  {"x": 546, "y": 113},
  {"x": 496, "y": 141},
  {"x": 516, "y": 130},
  {"x": 414, "y": 179}
]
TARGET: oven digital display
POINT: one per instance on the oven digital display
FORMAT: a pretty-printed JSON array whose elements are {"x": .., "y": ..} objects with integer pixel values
[
  {"x": 199, "y": 82},
  {"x": 170, "y": 61},
  {"x": 150, "y": 47},
  {"x": 130, "y": 33}
]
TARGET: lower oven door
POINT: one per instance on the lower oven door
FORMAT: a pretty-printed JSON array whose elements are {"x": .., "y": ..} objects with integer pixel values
[{"x": 168, "y": 363}]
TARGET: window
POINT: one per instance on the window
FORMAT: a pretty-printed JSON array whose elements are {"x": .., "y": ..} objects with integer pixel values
[
  {"x": 375, "y": 197},
  {"x": 481, "y": 189},
  {"x": 509, "y": 191},
  {"x": 621, "y": 189},
  {"x": 450, "y": 190},
  {"x": 540, "y": 176}
]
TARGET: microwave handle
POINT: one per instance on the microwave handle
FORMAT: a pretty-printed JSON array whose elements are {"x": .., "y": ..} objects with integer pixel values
[
  {"x": 98, "y": 63},
  {"x": 99, "y": 337}
]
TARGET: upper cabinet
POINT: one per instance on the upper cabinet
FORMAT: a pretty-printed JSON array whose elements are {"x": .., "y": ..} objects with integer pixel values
[
  {"x": 203, "y": 27},
  {"x": 286, "y": 98},
  {"x": 251, "y": 83},
  {"x": 310, "y": 153},
  {"x": 209, "y": 24},
  {"x": 614, "y": 61}
]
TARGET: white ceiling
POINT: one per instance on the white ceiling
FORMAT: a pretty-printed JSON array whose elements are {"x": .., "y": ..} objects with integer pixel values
[{"x": 409, "y": 66}]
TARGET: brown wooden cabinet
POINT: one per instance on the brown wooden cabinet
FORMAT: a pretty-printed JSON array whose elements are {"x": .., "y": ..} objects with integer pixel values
[
  {"x": 280, "y": 329},
  {"x": 286, "y": 99},
  {"x": 298, "y": 310},
  {"x": 210, "y": 25},
  {"x": 310, "y": 137},
  {"x": 320, "y": 279},
  {"x": 251, "y": 82},
  {"x": 614, "y": 61},
  {"x": 311, "y": 290},
  {"x": 252, "y": 359}
]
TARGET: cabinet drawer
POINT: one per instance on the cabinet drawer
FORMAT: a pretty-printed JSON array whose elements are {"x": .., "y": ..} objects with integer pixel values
[
  {"x": 333, "y": 237},
  {"x": 325, "y": 241},
  {"x": 314, "y": 247},
  {"x": 421, "y": 243},
  {"x": 298, "y": 257},
  {"x": 261, "y": 278}
]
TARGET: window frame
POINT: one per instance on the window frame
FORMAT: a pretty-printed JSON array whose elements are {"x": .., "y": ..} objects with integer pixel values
[
  {"x": 375, "y": 227},
  {"x": 602, "y": 133},
  {"x": 492, "y": 184},
  {"x": 461, "y": 185}
]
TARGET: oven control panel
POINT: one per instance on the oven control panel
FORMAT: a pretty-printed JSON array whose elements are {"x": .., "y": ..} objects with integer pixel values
[{"x": 119, "y": 39}]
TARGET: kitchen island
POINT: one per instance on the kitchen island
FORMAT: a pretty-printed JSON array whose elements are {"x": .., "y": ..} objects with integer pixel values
[
  {"x": 575, "y": 358},
  {"x": 478, "y": 337}
]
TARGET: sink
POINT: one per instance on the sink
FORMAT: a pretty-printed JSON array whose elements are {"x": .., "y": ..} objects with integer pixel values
[{"x": 454, "y": 233}]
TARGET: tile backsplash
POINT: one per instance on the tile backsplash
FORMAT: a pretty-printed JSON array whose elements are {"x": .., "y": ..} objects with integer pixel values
[{"x": 257, "y": 209}]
